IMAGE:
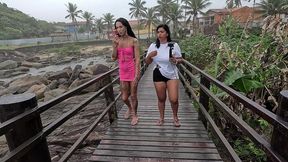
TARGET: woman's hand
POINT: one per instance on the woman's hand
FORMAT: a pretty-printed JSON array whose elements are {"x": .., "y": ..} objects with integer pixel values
[
  {"x": 173, "y": 60},
  {"x": 176, "y": 60},
  {"x": 115, "y": 39},
  {"x": 149, "y": 59},
  {"x": 152, "y": 54},
  {"x": 137, "y": 78}
]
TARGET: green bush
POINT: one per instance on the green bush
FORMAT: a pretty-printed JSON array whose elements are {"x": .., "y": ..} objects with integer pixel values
[{"x": 198, "y": 50}]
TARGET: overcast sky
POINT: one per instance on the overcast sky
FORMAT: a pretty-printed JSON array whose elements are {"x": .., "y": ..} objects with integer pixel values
[{"x": 55, "y": 10}]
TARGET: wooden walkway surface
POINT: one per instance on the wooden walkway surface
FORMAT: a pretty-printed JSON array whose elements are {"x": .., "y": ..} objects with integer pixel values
[{"x": 149, "y": 142}]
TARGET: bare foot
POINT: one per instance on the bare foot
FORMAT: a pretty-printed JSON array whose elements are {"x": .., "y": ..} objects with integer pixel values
[
  {"x": 160, "y": 122},
  {"x": 134, "y": 120},
  {"x": 176, "y": 122},
  {"x": 127, "y": 115}
]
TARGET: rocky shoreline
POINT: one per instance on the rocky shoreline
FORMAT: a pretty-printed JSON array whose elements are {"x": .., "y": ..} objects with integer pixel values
[{"x": 54, "y": 83}]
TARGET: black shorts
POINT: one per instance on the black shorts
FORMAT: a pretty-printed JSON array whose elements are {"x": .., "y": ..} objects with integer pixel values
[{"x": 158, "y": 77}]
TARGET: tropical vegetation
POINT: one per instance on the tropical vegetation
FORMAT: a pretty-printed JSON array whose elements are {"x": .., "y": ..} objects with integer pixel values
[
  {"x": 251, "y": 61},
  {"x": 15, "y": 24}
]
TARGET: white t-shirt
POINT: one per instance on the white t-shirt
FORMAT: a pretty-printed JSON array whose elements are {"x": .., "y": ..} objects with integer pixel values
[{"x": 166, "y": 68}]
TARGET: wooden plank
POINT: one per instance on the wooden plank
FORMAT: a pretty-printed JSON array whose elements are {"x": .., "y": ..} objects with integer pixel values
[
  {"x": 182, "y": 131},
  {"x": 158, "y": 143},
  {"x": 151, "y": 154},
  {"x": 136, "y": 159},
  {"x": 159, "y": 148},
  {"x": 163, "y": 139}
]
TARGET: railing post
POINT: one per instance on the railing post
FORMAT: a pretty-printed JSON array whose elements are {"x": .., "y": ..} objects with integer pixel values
[
  {"x": 109, "y": 97},
  {"x": 279, "y": 140},
  {"x": 204, "y": 99},
  {"x": 11, "y": 106}
]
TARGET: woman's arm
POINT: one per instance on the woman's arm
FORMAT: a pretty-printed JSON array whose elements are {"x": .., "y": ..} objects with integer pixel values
[
  {"x": 114, "y": 54},
  {"x": 137, "y": 57},
  {"x": 149, "y": 59},
  {"x": 115, "y": 43}
]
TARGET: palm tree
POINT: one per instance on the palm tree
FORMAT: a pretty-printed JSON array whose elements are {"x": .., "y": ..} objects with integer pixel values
[
  {"x": 193, "y": 8},
  {"x": 151, "y": 19},
  {"x": 137, "y": 10},
  {"x": 99, "y": 26},
  {"x": 73, "y": 14},
  {"x": 163, "y": 8},
  {"x": 108, "y": 18},
  {"x": 273, "y": 7},
  {"x": 233, "y": 3},
  {"x": 88, "y": 18},
  {"x": 175, "y": 15}
]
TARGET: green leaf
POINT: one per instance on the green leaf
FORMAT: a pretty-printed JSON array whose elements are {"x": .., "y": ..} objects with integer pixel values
[
  {"x": 246, "y": 85},
  {"x": 232, "y": 76}
]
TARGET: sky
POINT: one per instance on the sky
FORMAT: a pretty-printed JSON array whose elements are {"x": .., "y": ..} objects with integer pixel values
[{"x": 56, "y": 10}]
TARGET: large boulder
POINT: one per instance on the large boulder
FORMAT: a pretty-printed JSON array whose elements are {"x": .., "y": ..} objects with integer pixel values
[
  {"x": 38, "y": 90},
  {"x": 97, "y": 69},
  {"x": 8, "y": 64},
  {"x": 65, "y": 73},
  {"x": 13, "y": 72},
  {"x": 53, "y": 93},
  {"x": 23, "y": 84}
]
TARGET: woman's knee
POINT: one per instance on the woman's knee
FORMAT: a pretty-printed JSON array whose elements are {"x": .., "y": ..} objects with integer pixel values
[
  {"x": 162, "y": 99},
  {"x": 133, "y": 97},
  {"x": 174, "y": 101},
  {"x": 125, "y": 97}
]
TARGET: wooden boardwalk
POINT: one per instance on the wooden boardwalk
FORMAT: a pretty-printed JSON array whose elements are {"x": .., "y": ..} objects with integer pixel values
[{"x": 149, "y": 142}]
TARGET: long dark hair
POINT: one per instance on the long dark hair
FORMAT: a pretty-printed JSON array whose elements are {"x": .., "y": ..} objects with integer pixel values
[
  {"x": 166, "y": 28},
  {"x": 127, "y": 25}
]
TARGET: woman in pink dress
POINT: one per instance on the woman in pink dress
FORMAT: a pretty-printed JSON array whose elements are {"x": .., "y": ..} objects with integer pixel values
[{"x": 126, "y": 51}]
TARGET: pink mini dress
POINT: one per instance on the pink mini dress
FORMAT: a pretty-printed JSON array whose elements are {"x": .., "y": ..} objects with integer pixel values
[{"x": 126, "y": 63}]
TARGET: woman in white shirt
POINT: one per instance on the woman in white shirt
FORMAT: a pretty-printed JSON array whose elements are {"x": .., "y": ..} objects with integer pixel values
[{"x": 165, "y": 55}]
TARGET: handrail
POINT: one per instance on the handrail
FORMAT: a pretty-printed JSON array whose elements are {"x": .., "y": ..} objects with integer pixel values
[
  {"x": 74, "y": 147},
  {"x": 253, "y": 106},
  {"x": 9, "y": 124},
  {"x": 216, "y": 130},
  {"x": 23, "y": 148}
]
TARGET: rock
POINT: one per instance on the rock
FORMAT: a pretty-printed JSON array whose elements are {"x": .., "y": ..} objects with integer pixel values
[
  {"x": 53, "y": 84},
  {"x": 33, "y": 59},
  {"x": 78, "y": 82},
  {"x": 13, "y": 72},
  {"x": 75, "y": 73},
  {"x": 53, "y": 93},
  {"x": 8, "y": 64},
  {"x": 38, "y": 90},
  {"x": 57, "y": 75},
  {"x": 31, "y": 64},
  {"x": 98, "y": 69},
  {"x": 63, "y": 81},
  {"x": 85, "y": 76},
  {"x": 21, "y": 85}
]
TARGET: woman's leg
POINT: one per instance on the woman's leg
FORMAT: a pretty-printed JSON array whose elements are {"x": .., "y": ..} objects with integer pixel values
[
  {"x": 161, "y": 94},
  {"x": 125, "y": 87},
  {"x": 134, "y": 102},
  {"x": 173, "y": 88}
]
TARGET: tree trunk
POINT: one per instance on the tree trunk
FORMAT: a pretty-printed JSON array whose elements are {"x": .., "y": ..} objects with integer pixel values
[
  {"x": 75, "y": 29},
  {"x": 138, "y": 26},
  {"x": 194, "y": 25},
  {"x": 149, "y": 28}
]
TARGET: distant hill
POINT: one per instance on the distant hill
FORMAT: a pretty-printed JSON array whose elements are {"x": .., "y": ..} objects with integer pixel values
[{"x": 15, "y": 24}]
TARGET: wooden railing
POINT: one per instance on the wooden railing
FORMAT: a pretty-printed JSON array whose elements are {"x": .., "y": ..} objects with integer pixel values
[
  {"x": 22, "y": 126},
  {"x": 276, "y": 150}
]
